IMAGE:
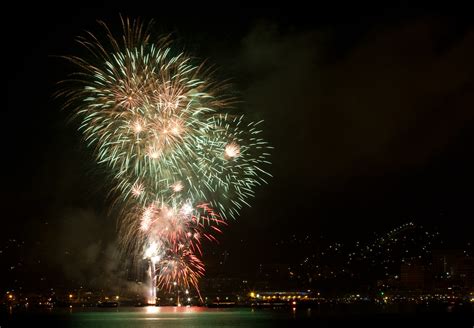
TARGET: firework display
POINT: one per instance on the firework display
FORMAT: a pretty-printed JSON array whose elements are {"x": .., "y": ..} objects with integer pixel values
[{"x": 181, "y": 162}]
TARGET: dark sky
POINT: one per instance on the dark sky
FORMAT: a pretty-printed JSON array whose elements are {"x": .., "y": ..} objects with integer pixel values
[{"x": 370, "y": 111}]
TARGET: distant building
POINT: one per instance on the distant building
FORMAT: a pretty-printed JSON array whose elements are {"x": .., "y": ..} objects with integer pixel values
[
  {"x": 453, "y": 267},
  {"x": 466, "y": 272},
  {"x": 223, "y": 285},
  {"x": 446, "y": 262},
  {"x": 412, "y": 276}
]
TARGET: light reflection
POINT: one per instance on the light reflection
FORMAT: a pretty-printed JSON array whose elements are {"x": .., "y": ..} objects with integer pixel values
[
  {"x": 174, "y": 309},
  {"x": 153, "y": 309}
]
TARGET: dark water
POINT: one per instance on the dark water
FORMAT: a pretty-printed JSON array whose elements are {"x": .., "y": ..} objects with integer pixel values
[{"x": 198, "y": 317}]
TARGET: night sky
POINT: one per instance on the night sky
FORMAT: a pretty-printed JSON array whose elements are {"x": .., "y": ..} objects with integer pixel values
[{"x": 370, "y": 112}]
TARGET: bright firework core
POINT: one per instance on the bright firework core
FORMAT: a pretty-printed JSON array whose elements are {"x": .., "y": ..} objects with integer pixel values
[
  {"x": 177, "y": 186},
  {"x": 232, "y": 150},
  {"x": 179, "y": 164}
]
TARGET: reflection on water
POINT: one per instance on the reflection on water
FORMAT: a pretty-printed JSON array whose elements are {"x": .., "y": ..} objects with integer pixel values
[
  {"x": 152, "y": 309},
  {"x": 175, "y": 317},
  {"x": 197, "y": 317}
]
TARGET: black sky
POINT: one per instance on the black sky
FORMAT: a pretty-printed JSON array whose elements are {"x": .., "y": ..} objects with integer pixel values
[{"x": 370, "y": 111}]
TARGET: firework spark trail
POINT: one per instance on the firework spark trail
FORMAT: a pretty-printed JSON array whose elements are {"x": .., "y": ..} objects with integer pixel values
[{"x": 180, "y": 164}]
